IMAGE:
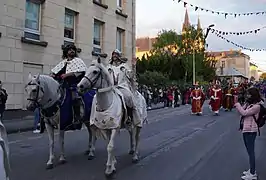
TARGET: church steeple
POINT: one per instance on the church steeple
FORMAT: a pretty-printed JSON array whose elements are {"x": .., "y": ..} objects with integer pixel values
[
  {"x": 198, "y": 25},
  {"x": 186, "y": 23}
]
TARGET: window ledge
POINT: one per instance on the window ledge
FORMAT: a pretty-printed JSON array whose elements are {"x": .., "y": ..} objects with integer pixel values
[
  {"x": 78, "y": 49},
  {"x": 34, "y": 42},
  {"x": 100, "y": 4},
  {"x": 103, "y": 55},
  {"x": 121, "y": 14}
]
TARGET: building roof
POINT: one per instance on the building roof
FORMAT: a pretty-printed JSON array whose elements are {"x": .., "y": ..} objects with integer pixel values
[
  {"x": 227, "y": 54},
  {"x": 229, "y": 72},
  {"x": 145, "y": 43}
]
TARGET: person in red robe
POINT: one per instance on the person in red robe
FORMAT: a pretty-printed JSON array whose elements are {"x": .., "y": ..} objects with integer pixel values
[
  {"x": 228, "y": 98},
  {"x": 216, "y": 99},
  {"x": 198, "y": 98}
]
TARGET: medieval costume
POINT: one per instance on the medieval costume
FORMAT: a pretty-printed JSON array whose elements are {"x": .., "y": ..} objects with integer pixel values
[
  {"x": 216, "y": 99},
  {"x": 228, "y": 98},
  {"x": 186, "y": 96},
  {"x": 198, "y": 98},
  {"x": 118, "y": 64},
  {"x": 69, "y": 72}
]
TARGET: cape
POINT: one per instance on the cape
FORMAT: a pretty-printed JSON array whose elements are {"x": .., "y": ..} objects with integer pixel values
[{"x": 74, "y": 66}]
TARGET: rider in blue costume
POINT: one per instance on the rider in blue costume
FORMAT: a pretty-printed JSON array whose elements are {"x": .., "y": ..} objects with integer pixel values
[{"x": 71, "y": 70}]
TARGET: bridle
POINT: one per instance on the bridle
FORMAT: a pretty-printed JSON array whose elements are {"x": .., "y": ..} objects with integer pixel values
[
  {"x": 94, "y": 81},
  {"x": 39, "y": 88}
]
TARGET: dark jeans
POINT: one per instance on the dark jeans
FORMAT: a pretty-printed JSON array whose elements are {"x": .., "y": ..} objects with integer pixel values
[{"x": 249, "y": 141}]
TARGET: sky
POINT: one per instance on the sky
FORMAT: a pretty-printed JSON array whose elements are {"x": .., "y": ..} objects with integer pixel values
[{"x": 154, "y": 15}]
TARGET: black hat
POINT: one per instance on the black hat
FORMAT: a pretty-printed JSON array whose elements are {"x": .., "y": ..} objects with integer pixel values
[{"x": 70, "y": 46}]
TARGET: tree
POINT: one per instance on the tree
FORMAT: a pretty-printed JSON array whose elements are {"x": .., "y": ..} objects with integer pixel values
[
  {"x": 153, "y": 78},
  {"x": 172, "y": 54}
]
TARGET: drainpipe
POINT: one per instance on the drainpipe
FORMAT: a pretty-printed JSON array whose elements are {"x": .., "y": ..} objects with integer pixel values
[{"x": 134, "y": 37}]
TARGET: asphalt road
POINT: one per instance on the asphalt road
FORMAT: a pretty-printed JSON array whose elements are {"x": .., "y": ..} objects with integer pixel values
[{"x": 174, "y": 146}]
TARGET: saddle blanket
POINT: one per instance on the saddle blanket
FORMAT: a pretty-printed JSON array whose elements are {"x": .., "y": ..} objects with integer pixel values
[{"x": 110, "y": 118}]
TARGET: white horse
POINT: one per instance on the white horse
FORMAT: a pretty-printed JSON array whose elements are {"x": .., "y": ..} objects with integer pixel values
[
  {"x": 44, "y": 92},
  {"x": 110, "y": 112},
  {"x": 126, "y": 79},
  {"x": 4, "y": 154}
]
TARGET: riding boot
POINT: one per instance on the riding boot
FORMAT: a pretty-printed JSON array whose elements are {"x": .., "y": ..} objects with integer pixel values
[{"x": 76, "y": 109}]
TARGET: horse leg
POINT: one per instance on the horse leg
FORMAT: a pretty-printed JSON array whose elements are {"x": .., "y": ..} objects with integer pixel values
[
  {"x": 132, "y": 141},
  {"x": 92, "y": 141},
  {"x": 111, "y": 161},
  {"x": 135, "y": 157},
  {"x": 62, "y": 158},
  {"x": 50, "y": 131}
]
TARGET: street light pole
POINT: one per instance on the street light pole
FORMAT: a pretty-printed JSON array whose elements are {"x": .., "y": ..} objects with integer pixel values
[
  {"x": 194, "y": 67},
  {"x": 193, "y": 57}
]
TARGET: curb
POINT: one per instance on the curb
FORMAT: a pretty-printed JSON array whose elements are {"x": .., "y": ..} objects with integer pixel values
[{"x": 15, "y": 131}]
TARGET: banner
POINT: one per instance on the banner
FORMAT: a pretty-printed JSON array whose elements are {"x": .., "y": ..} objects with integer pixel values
[
  {"x": 237, "y": 45},
  {"x": 225, "y": 14}
]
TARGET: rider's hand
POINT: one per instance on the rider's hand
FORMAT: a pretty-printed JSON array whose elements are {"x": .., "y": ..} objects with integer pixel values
[{"x": 63, "y": 76}]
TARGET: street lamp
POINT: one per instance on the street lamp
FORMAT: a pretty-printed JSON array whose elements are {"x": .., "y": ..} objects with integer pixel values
[{"x": 194, "y": 63}]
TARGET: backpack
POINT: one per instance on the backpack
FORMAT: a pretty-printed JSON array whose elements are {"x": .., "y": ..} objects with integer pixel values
[{"x": 261, "y": 118}]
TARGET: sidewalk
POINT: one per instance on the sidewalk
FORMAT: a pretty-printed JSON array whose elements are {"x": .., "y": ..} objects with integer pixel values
[{"x": 22, "y": 121}]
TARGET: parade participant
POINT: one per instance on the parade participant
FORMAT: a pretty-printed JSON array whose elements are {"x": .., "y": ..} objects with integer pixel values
[
  {"x": 118, "y": 64},
  {"x": 3, "y": 99},
  {"x": 71, "y": 70},
  {"x": 216, "y": 99},
  {"x": 198, "y": 98},
  {"x": 187, "y": 94},
  {"x": 228, "y": 98}
]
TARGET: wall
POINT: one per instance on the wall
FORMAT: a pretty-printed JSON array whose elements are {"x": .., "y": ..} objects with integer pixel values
[{"x": 14, "y": 53}]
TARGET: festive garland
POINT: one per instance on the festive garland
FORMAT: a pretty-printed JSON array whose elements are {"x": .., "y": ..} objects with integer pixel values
[
  {"x": 225, "y": 14},
  {"x": 237, "y": 45},
  {"x": 255, "y": 31}
]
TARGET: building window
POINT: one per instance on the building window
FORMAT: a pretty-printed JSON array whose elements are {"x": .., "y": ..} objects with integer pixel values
[
  {"x": 69, "y": 30},
  {"x": 120, "y": 34},
  {"x": 223, "y": 64},
  {"x": 120, "y": 4},
  {"x": 32, "y": 20},
  {"x": 98, "y": 36}
]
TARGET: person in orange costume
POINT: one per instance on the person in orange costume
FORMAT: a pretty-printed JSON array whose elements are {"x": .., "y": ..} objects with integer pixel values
[
  {"x": 216, "y": 99},
  {"x": 198, "y": 98}
]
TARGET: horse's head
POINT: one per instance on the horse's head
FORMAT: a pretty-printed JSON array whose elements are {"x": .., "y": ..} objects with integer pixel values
[
  {"x": 97, "y": 77},
  {"x": 34, "y": 92}
]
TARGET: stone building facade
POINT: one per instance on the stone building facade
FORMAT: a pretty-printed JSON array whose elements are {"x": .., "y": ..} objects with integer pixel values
[
  {"x": 232, "y": 59},
  {"x": 33, "y": 33}
]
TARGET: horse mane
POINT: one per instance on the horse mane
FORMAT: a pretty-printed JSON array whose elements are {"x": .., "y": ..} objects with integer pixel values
[{"x": 104, "y": 70}]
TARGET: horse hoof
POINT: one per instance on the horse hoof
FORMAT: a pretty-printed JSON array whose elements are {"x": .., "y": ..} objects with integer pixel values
[
  {"x": 135, "y": 161},
  {"x": 49, "y": 166},
  {"x": 110, "y": 175},
  {"x": 63, "y": 161},
  {"x": 91, "y": 157},
  {"x": 131, "y": 152}
]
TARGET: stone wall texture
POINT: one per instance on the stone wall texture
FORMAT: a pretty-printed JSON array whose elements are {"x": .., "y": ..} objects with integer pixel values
[{"x": 16, "y": 56}]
